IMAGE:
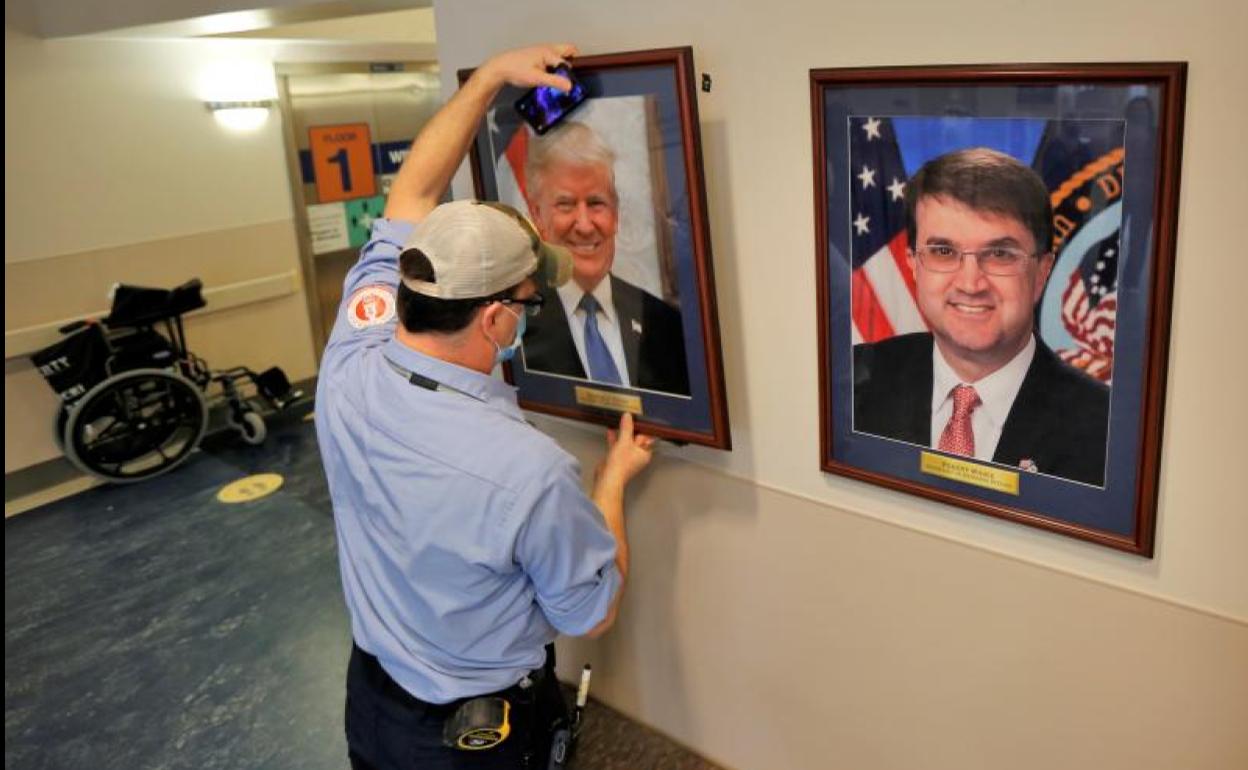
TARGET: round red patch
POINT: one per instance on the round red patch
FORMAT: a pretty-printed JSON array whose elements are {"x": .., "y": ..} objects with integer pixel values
[{"x": 370, "y": 306}]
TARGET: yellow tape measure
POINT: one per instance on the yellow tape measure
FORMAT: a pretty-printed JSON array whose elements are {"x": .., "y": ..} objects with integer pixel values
[{"x": 481, "y": 723}]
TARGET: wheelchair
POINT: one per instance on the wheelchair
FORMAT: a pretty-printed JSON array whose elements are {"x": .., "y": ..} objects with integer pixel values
[{"x": 135, "y": 402}]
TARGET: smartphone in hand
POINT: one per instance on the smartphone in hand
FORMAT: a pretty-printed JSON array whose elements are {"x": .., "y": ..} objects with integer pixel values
[{"x": 543, "y": 107}]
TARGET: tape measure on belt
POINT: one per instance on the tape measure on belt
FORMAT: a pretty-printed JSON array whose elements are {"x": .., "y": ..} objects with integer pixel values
[{"x": 481, "y": 723}]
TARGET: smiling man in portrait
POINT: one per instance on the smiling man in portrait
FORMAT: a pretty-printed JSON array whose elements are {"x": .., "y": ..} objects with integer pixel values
[
  {"x": 981, "y": 383},
  {"x": 602, "y": 328}
]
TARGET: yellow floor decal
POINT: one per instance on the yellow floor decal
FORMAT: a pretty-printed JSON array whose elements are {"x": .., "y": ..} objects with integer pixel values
[{"x": 250, "y": 488}]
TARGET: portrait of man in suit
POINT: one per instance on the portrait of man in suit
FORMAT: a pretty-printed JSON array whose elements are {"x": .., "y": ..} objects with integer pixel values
[
  {"x": 980, "y": 382},
  {"x": 598, "y": 326}
]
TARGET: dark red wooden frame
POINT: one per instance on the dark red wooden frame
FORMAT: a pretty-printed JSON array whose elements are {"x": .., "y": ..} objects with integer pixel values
[
  {"x": 1171, "y": 77},
  {"x": 681, "y": 61}
]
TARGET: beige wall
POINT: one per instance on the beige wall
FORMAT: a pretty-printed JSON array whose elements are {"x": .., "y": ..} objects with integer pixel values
[
  {"x": 771, "y": 632},
  {"x": 108, "y": 143},
  {"x": 779, "y": 617}
]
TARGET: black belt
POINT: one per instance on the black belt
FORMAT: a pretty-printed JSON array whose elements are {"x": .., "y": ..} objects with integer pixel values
[{"x": 382, "y": 682}]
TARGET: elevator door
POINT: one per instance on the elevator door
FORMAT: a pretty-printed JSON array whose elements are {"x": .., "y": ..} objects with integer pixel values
[{"x": 348, "y": 128}]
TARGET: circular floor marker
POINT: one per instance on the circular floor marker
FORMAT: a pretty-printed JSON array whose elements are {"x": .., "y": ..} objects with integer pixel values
[{"x": 250, "y": 488}]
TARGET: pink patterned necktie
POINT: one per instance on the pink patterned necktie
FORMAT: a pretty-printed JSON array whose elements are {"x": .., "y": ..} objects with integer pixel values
[{"x": 958, "y": 438}]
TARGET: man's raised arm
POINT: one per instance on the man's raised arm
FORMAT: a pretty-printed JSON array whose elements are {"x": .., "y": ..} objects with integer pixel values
[{"x": 443, "y": 142}]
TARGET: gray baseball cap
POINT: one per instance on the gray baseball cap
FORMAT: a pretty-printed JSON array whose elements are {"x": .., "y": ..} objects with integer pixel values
[{"x": 479, "y": 248}]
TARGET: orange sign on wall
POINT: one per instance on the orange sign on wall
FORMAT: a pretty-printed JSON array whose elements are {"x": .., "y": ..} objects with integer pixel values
[{"x": 342, "y": 162}]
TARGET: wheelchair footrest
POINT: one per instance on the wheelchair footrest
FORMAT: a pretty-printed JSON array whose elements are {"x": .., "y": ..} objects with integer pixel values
[{"x": 291, "y": 397}]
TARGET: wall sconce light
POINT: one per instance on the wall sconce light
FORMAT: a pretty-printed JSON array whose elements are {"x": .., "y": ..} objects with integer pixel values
[{"x": 241, "y": 116}]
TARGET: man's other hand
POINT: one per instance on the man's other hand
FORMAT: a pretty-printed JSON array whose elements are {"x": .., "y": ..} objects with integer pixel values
[{"x": 628, "y": 453}]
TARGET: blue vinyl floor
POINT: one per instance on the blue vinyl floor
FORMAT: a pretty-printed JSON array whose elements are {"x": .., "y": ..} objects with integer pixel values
[{"x": 151, "y": 626}]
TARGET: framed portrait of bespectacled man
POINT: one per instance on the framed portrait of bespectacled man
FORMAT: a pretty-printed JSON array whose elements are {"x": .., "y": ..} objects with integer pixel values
[
  {"x": 618, "y": 182},
  {"x": 995, "y": 246}
]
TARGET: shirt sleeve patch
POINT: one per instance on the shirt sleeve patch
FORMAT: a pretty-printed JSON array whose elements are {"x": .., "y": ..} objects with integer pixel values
[{"x": 371, "y": 306}]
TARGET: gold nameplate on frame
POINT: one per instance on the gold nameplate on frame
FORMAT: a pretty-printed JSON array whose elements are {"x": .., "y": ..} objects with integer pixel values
[
  {"x": 605, "y": 399},
  {"x": 969, "y": 472}
]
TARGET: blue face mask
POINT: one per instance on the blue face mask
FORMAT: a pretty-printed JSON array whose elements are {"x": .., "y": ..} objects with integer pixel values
[{"x": 502, "y": 354}]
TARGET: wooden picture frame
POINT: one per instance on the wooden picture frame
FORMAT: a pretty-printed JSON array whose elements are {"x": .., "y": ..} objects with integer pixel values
[
  {"x": 652, "y": 249},
  {"x": 1105, "y": 140}
]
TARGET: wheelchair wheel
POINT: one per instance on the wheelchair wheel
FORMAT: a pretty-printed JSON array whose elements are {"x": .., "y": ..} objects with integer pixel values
[
  {"x": 135, "y": 425},
  {"x": 252, "y": 428}
]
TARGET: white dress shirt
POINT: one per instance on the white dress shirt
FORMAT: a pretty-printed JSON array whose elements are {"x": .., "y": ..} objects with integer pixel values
[
  {"x": 996, "y": 392},
  {"x": 608, "y": 324}
]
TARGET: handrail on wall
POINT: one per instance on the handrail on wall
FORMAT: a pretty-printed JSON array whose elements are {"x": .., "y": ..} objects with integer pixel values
[{"x": 28, "y": 339}]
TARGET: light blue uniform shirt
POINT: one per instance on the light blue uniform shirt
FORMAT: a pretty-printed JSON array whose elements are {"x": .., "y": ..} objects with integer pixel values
[{"x": 465, "y": 540}]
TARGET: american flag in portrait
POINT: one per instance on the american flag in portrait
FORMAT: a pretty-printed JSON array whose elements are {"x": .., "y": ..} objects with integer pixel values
[
  {"x": 509, "y": 145},
  {"x": 882, "y": 284}
]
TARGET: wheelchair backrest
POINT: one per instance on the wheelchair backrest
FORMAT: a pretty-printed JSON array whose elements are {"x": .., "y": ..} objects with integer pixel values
[{"x": 143, "y": 306}]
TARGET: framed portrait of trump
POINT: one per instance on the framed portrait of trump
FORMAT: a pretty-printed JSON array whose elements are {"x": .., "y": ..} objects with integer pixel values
[
  {"x": 995, "y": 249},
  {"x": 618, "y": 183}
]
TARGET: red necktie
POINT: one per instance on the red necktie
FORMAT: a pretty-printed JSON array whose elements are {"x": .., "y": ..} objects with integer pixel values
[{"x": 958, "y": 438}]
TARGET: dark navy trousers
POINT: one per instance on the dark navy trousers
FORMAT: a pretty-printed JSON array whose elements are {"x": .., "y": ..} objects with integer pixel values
[{"x": 390, "y": 729}]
